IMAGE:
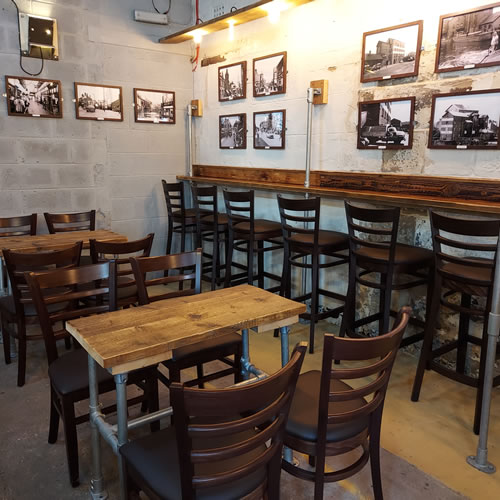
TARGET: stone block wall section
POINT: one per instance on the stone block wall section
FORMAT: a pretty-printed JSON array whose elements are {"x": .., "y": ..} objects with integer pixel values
[{"x": 70, "y": 165}]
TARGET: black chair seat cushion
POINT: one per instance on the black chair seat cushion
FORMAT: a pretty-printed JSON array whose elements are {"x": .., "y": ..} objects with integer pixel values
[
  {"x": 405, "y": 255},
  {"x": 303, "y": 418},
  {"x": 262, "y": 228},
  {"x": 224, "y": 342},
  {"x": 154, "y": 458},
  {"x": 333, "y": 239}
]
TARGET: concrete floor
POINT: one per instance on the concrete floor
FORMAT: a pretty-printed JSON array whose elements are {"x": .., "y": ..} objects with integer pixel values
[{"x": 425, "y": 443}]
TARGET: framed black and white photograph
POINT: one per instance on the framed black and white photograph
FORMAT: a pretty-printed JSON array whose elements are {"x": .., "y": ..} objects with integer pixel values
[
  {"x": 233, "y": 131},
  {"x": 269, "y": 129},
  {"x": 386, "y": 124},
  {"x": 233, "y": 81},
  {"x": 465, "y": 120},
  {"x": 391, "y": 52},
  {"x": 269, "y": 75},
  {"x": 154, "y": 106},
  {"x": 98, "y": 102},
  {"x": 33, "y": 97},
  {"x": 469, "y": 39}
]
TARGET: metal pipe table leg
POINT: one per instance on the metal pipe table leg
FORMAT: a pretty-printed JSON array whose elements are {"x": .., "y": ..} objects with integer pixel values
[
  {"x": 121, "y": 410},
  {"x": 245, "y": 354},
  {"x": 285, "y": 357}
]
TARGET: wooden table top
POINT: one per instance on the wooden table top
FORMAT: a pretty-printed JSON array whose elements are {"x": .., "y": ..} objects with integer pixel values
[
  {"x": 42, "y": 242},
  {"x": 132, "y": 338}
]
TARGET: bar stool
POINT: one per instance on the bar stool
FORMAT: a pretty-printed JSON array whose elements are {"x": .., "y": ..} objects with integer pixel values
[
  {"x": 302, "y": 241},
  {"x": 465, "y": 252},
  {"x": 249, "y": 235},
  {"x": 374, "y": 252}
]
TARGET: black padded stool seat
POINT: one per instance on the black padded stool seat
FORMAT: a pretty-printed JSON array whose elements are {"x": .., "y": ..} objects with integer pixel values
[
  {"x": 155, "y": 458},
  {"x": 229, "y": 341}
]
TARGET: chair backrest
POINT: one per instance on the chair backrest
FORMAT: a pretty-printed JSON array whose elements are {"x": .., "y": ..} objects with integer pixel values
[
  {"x": 81, "y": 221},
  {"x": 188, "y": 264},
  {"x": 241, "y": 420},
  {"x": 377, "y": 356},
  {"x": 174, "y": 198},
  {"x": 469, "y": 244},
  {"x": 18, "y": 263},
  {"x": 18, "y": 226},
  {"x": 70, "y": 287},
  {"x": 240, "y": 206},
  {"x": 205, "y": 203}
]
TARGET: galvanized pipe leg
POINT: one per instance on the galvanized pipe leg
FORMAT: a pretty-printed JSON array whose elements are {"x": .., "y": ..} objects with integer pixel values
[
  {"x": 245, "y": 354},
  {"x": 121, "y": 410},
  {"x": 285, "y": 357}
]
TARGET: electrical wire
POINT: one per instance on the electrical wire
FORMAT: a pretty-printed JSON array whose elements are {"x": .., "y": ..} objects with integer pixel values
[
  {"x": 20, "y": 52},
  {"x": 167, "y": 11}
]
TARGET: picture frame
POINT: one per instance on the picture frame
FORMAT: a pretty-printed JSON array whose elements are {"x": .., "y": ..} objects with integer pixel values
[
  {"x": 232, "y": 82},
  {"x": 34, "y": 97},
  {"x": 233, "y": 131},
  {"x": 269, "y": 129},
  {"x": 154, "y": 106},
  {"x": 465, "y": 120},
  {"x": 386, "y": 123},
  {"x": 98, "y": 102},
  {"x": 392, "y": 52},
  {"x": 468, "y": 39},
  {"x": 269, "y": 75}
]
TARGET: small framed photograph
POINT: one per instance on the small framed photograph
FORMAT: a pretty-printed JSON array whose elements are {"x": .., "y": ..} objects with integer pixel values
[
  {"x": 154, "y": 106},
  {"x": 33, "y": 97},
  {"x": 465, "y": 120},
  {"x": 269, "y": 129},
  {"x": 233, "y": 82},
  {"x": 233, "y": 131},
  {"x": 269, "y": 75},
  {"x": 469, "y": 39},
  {"x": 391, "y": 52},
  {"x": 98, "y": 102},
  {"x": 386, "y": 124}
]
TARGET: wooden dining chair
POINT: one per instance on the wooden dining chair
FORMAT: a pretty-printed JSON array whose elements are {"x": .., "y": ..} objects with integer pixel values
[
  {"x": 188, "y": 265},
  {"x": 225, "y": 443},
  {"x": 330, "y": 417},
  {"x": 68, "y": 374},
  {"x": 81, "y": 221},
  {"x": 17, "y": 310}
]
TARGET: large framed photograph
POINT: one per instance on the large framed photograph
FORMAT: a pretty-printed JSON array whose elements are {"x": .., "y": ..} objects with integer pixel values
[
  {"x": 269, "y": 75},
  {"x": 98, "y": 102},
  {"x": 233, "y": 81},
  {"x": 233, "y": 131},
  {"x": 465, "y": 120},
  {"x": 391, "y": 52},
  {"x": 469, "y": 39},
  {"x": 34, "y": 97},
  {"x": 154, "y": 106},
  {"x": 269, "y": 129},
  {"x": 386, "y": 124}
]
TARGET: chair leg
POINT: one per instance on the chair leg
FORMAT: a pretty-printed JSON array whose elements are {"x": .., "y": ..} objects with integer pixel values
[
  {"x": 348, "y": 316},
  {"x": 273, "y": 477},
  {"x": 199, "y": 374},
  {"x": 54, "y": 418},
  {"x": 260, "y": 264},
  {"x": 229, "y": 259},
  {"x": 375, "y": 455},
  {"x": 314, "y": 300},
  {"x": 6, "y": 340},
  {"x": 385, "y": 303},
  {"x": 319, "y": 476},
  {"x": 250, "y": 252},
  {"x": 152, "y": 395},
  {"x": 67, "y": 343},
  {"x": 21, "y": 361},
  {"x": 237, "y": 364},
  {"x": 463, "y": 330},
  {"x": 71, "y": 439},
  {"x": 215, "y": 259}
]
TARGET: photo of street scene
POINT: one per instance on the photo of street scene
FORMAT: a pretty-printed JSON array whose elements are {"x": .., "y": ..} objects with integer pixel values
[
  {"x": 154, "y": 106},
  {"x": 467, "y": 120},
  {"x": 233, "y": 81},
  {"x": 269, "y": 130},
  {"x": 33, "y": 97},
  {"x": 233, "y": 131},
  {"x": 391, "y": 53},
  {"x": 98, "y": 102},
  {"x": 470, "y": 38},
  {"x": 269, "y": 75},
  {"x": 386, "y": 124}
]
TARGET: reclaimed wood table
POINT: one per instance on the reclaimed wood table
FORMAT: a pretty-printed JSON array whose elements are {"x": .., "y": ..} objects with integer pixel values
[{"x": 128, "y": 339}]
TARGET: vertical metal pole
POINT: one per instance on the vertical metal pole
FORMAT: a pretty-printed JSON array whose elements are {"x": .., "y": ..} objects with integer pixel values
[
  {"x": 190, "y": 139},
  {"x": 245, "y": 357},
  {"x": 285, "y": 357},
  {"x": 480, "y": 460},
  {"x": 310, "y": 95},
  {"x": 121, "y": 411},
  {"x": 97, "y": 491}
]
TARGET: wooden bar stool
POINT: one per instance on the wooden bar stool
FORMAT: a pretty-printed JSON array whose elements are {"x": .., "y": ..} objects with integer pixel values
[
  {"x": 303, "y": 238},
  {"x": 465, "y": 252},
  {"x": 378, "y": 261},
  {"x": 249, "y": 235}
]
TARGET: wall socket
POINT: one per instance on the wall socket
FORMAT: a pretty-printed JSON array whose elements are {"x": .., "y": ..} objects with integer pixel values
[{"x": 218, "y": 10}]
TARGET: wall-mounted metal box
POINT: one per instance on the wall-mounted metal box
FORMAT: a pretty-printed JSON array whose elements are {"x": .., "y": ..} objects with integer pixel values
[{"x": 38, "y": 36}]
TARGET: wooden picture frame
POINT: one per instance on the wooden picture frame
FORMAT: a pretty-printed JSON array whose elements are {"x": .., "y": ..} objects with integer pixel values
[
  {"x": 232, "y": 82},
  {"x": 390, "y": 59},
  {"x": 386, "y": 123},
  {"x": 154, "y": 106},
  {"x": 98, "y": 102},
  {"x": 272, "y": 134},
  {"x": 34, "y": 97},
  {"x": 269, "y": 75},
  {"x": 466, "y": 39},
  {"x": 465, "y": 120},
  {"x": 233, "y": 131}
]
